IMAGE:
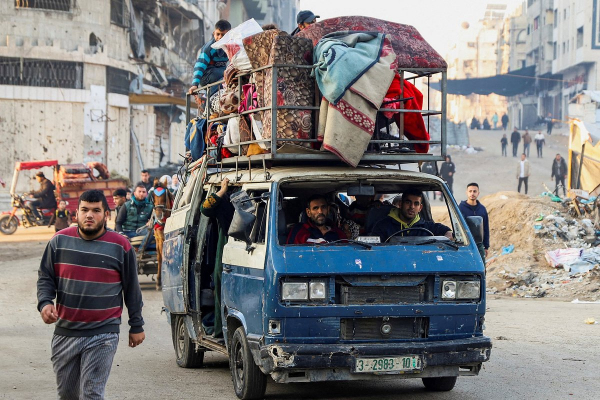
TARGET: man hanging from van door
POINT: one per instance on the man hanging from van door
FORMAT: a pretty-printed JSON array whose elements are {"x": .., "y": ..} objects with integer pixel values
[
  {"x": 315, "y": 230},
  {"x": 218, "y": 206}
]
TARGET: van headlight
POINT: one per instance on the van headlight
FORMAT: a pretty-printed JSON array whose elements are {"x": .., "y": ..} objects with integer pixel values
[
  {"x": 317, "y": 290},
  {"x": 314, "y": 290},
  {"x": 461, "y": 290},
  {"x": 294, "y": 291}
]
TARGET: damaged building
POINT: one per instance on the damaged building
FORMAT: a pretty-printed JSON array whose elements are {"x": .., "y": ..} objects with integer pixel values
[{"x": 89, "y": 80}]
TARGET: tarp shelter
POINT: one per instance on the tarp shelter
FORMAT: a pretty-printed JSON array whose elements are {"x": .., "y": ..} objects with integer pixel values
[
  {"x": 584, "y": 173},
  {"x": 510, "y": 84}
]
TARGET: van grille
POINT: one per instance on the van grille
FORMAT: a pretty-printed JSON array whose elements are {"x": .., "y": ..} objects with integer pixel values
[
  {"x": 371, "y": 328},
  {"x": 364, "y": 295}
]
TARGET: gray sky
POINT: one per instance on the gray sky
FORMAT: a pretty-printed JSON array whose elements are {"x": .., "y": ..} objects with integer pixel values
[{"x": 436, "y": 20}]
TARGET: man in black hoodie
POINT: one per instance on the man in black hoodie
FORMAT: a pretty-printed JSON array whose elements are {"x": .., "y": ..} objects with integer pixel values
[
  {"x": 472, "y": 207},
  {"x": 447, "y": 172},
  {"x": 515, "y": 139},
  {"x": 559, "y": 173}
]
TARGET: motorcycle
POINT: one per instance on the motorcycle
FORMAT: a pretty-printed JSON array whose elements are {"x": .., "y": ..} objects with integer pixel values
[{"x": 9, "y": 222}]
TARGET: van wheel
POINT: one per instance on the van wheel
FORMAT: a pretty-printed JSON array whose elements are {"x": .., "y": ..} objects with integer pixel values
[
  {"x": 248, "y": 380},
  {"x": 443, "y": 384},
  {"x": 185, "y": 349}
]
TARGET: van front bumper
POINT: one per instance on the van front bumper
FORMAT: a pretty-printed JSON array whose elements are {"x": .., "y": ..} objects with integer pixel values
[{"x": 470, "y": 352}]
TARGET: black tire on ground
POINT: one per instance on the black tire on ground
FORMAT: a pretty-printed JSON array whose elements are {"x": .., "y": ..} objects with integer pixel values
[
  {"x": 442, "y": 384},
  {"x": 248, "y": 380},
  {"x": 186, "y": 355},
  {"x": 8, "y": 225}
]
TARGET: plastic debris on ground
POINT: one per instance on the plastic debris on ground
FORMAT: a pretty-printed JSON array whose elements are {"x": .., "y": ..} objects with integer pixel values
[{"x": 508, "y": 249}]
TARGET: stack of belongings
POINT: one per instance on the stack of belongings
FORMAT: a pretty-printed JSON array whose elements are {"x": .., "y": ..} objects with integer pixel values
[
  {"x": 73, "y": 174},
  {"x": 356, "y": 61},
  {"x": 295, "y": 86}
]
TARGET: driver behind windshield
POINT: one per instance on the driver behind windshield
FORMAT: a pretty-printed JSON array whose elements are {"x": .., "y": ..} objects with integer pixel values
[
  {"x": 315, "y": 229},
  {"x": 406, "y": 216}
]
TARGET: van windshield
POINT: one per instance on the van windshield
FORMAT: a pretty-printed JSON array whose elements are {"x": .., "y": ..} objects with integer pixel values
[{"x": 376, "y": 212}]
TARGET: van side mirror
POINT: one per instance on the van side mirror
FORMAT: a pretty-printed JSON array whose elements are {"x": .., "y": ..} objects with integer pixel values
[{"x": 475, "y": 224}]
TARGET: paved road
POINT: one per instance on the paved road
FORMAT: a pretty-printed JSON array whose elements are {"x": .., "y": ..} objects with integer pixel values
[{"x": 542, "y": 350}]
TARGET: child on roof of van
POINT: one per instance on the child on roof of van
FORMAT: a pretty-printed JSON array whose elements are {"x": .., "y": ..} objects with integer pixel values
[{"x": 315, "y": 230}]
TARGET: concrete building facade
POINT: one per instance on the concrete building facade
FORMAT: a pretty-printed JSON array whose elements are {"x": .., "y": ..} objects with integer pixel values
[{"x": 104, "y": 80}]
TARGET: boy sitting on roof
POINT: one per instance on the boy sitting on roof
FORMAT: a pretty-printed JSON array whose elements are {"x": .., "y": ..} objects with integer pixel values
[{"x": 211, "y": 63}]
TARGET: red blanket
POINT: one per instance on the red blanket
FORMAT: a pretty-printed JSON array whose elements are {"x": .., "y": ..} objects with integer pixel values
[{"x": 414, "y": 126}]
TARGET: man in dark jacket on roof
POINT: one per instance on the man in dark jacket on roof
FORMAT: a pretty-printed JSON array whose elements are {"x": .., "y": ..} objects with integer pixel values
[
  {"x": 407, "y": 216},
  {"x": 472, "y": 207},
  {"x": 44, "y": 198}
]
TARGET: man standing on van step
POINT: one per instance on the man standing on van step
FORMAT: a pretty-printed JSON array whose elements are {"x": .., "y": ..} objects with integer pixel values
[
  {"x": 407, "y": 216},
  {"x": 89, "y": 293},
  {"x": 315, "y": 230},
  {"x": 217, "y": 205},
  {"x": 472, "y": 207},
  {"x": 211, "y": 63}
]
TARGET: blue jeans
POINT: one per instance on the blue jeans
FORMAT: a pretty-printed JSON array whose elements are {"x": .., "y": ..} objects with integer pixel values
[
  {"x": 526, "y": 148},
  {"x": 212, "y": 75}
]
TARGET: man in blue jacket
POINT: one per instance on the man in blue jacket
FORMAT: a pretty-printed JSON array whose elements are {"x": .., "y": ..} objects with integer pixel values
[
  {"x": 407, "y": 216},
  {"x": 472, "y": 207}
]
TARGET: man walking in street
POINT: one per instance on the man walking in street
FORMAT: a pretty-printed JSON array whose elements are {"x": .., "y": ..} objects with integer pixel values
[
  {"x": 523, "y": 172},
  {"x": 89, "y": 293},
  {"x": 447, "y": 173},
  {"x": 504, "y": 143},
  {"x": 146, "y": 180},
  {"x": 473, "y": 207},
  {"x": 526, "y": 142},
  {"x": 495, "y": 120},
  {"x": 549, "y": 123},
  {"x": 559, "y": 173},
  {"x": 515, "y": 138},
  {"x": 504, "y": 121},
  {"x": 540, "y": 141},
  {"x": 135, "y": 213}
]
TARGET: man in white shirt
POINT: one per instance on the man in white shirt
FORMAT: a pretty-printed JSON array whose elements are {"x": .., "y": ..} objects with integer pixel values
[{"x": 523, "y": 172}]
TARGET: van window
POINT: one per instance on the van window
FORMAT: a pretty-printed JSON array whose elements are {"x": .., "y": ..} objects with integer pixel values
[{"x": 377, "y": 218}]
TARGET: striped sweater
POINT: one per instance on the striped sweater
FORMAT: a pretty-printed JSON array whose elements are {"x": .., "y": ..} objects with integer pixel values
[
  {"x": 207, "y": 59},
  {"x": 90, "y": 279}
]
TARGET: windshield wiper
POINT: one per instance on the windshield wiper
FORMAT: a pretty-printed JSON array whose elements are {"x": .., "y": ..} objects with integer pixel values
[
  {"x": 365, "y": 245},
  {"x": 431, "y": 241}
]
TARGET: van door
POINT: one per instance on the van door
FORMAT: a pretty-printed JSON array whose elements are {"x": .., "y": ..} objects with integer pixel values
[
  {"x": 178, "y": 233},
  {"x": 243, "y": 271}
]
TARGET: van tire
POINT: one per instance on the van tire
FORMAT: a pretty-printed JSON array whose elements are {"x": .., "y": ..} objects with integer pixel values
[
  {"x": 442, "y": 384},
  {"x": 248, "y": 380},
  {"x": 186, "y": 355}
]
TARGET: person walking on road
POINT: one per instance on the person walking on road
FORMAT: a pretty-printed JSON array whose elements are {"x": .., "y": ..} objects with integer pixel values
[
  {"x": 495, "y": 120},
  {"x": 523, "y": 172},
  {"x": 549, "y": 123},
  {"x": 504, "y": 121},
  {"x": 515, "y": 138},
  {"x": 447, "y": 172},
  {"x": 473, "y": 207},
  {"x": 526, "y": 142},
  {"x": 540, "y": 141},
  {"x": 559, "y": 173},
  {"x": 89, "y": 293},
  {"x": 504, "y": 143}
]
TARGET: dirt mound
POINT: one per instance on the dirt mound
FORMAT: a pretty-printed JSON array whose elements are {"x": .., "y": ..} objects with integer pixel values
[{"x": 525, "y": 272}]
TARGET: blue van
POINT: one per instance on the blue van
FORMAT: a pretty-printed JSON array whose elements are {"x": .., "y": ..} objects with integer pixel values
[
  {"x": 267, "y": 261},
  {"x": 406, "y": 307}
]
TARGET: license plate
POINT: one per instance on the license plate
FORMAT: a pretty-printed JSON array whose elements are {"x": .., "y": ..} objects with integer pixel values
[{"x": 388, "y": 364}]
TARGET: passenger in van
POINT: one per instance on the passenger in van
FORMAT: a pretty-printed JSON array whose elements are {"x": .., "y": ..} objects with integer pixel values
[
  {"x": 407, "y": 216},
  {"x": 316, "y": 228},
  {"x": 218, "y": 206}
]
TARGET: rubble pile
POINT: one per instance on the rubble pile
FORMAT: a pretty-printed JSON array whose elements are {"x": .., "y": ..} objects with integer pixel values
[{"x": 537, "y": 248}]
